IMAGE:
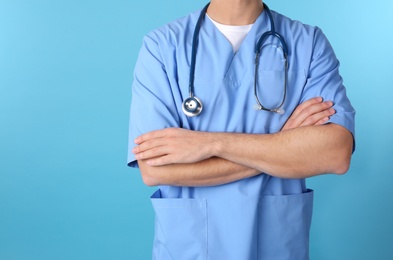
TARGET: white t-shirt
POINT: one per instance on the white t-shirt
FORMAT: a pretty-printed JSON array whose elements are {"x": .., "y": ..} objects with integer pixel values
[{"x": 235, "y": 34}]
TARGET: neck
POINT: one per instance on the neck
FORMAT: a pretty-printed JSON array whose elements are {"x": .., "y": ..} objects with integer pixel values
[{"x": 235, "y": 12}]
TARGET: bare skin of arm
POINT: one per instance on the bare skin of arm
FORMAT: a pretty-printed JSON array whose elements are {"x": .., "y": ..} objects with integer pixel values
[{"x": 218, "y": 158}]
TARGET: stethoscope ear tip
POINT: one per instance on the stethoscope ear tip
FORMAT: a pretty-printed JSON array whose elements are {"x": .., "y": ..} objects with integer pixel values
[
  {"x": 257, "y": 107},
  {"x": 279, "y": 110}
]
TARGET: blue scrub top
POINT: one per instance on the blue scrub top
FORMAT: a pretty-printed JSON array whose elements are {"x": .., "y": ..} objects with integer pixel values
[{"x": 262, "y": 217}]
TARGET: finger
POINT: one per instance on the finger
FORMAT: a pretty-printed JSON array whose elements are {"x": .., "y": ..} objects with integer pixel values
[
  {"x": 305, "y": 105},
  {"x": 152, "y": 135},
  {"x": 149, "y": 144},
  {"x": 308, "y": 113},
  {"x": 322, "y": 121},
  {"x": 317, "y": 117},
  {"x": 159, "y": 161},
  {"x": 313, "y": 109},
  {"x": 152, "y": 153},
  {"x": 298, "y": 115}
]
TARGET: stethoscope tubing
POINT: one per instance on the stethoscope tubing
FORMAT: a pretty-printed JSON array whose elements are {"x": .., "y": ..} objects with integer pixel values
[{"x": 192, "y": 106}]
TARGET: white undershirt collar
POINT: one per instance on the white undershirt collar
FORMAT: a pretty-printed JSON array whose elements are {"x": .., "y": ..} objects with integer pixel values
[{"x": 235, "y": 34}]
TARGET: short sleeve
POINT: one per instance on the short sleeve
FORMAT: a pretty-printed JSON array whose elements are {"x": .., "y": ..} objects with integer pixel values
[
  {"x": 152, "y": 103},
  {"x": 324, "y": 80}
]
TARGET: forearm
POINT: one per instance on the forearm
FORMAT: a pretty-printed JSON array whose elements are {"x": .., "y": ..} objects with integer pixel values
[
  {"x": 296, "y": 153},
  {"x": 209, "y": 172},
  {"x": 304, "y": 148}
]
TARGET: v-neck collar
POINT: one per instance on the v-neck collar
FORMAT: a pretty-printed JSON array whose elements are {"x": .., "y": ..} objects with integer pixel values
[
  {"x": 258, "y": 28},
  {"x": 215, "y": 44},
  {"x": 234, "y": 33}
]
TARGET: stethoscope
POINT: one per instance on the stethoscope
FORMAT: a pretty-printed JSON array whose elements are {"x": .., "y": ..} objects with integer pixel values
[{"x": 192, "y": 106}]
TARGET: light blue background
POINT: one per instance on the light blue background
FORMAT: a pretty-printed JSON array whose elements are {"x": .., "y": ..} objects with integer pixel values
[{"x": 65, "y": 78}]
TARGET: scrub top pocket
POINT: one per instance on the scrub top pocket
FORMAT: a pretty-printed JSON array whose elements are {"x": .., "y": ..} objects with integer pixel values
[
  {"x": 180, "y": 228},
  {"x": 284, "y": 226}
]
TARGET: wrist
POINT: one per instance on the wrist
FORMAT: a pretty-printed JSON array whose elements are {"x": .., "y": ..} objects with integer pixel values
[{"x": 215, "y": 144}]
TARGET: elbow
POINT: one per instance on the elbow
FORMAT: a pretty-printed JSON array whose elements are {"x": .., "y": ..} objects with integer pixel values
[
  {"x": 343, "y": 154},
  {"x": 342, "y": 167},
  {"x": 148, "y": 180},
  {"x": 147, "y": 174}
]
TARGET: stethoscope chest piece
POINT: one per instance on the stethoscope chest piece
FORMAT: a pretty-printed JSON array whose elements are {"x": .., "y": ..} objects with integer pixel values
[{"x": 192, "y": 106}]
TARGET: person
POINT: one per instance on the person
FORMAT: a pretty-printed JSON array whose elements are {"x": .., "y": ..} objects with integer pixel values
[{"x": 232, "y": 179}]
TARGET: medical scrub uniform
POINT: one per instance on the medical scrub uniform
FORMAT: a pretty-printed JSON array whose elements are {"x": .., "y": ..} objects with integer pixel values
[{"x": 262, "y": 217}]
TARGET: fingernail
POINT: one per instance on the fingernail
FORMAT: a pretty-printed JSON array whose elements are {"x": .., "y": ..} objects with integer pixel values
[{"x": 137, "y": 140}]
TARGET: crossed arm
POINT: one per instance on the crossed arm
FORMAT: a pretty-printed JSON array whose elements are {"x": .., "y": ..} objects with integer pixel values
[{"x": 304, "y": 148}]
